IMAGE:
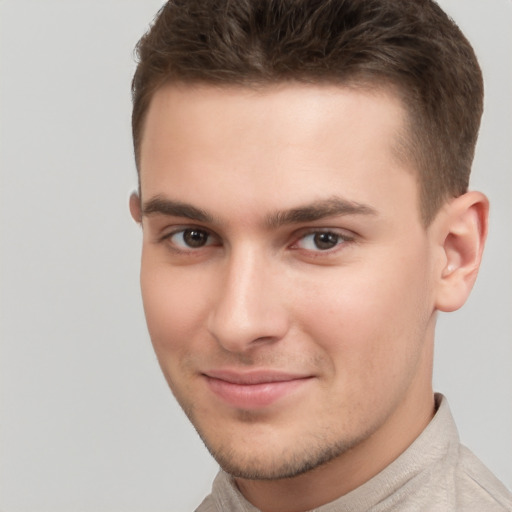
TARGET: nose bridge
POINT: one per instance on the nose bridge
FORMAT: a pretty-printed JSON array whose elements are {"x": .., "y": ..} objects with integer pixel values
[{"x": 248, "y": 306}]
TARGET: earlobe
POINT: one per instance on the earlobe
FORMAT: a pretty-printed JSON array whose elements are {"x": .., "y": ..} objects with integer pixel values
[
  {"x": 135, "y": 207},
  {"x": 463, "y": 230}
]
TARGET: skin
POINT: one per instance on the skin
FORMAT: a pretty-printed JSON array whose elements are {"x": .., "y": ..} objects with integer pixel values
[{"x": 350, "y": 314}]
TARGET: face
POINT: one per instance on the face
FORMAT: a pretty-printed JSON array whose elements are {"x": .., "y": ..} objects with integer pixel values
[{"x": 286, "y": 274}]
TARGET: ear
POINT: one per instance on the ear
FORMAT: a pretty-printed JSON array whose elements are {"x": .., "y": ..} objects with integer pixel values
[
  {"x": 135, "y": 208},
  {"x": 463, "y": 230}
]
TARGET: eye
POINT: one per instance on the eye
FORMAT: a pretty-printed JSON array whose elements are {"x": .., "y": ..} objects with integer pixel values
[
  {"x": 190, "y": 238},
  {"x": 321, "y": 241}
]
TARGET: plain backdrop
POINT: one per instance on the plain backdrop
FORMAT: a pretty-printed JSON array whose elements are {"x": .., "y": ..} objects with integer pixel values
[{"x": 87, "y": 423}]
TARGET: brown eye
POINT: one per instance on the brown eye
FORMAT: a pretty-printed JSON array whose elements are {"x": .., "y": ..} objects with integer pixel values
[
  {"x": 324, "y": 241},
  {"x": 195, "y": 237},
  {"x": 191, "y": 238},
  {"x": 318, "y": 241}
]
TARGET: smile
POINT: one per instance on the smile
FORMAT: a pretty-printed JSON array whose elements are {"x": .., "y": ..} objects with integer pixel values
[{"x": 253, "y": 390}]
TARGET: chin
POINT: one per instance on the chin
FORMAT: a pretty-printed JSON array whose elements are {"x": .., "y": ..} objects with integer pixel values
[{"x": 269, "y": 462}]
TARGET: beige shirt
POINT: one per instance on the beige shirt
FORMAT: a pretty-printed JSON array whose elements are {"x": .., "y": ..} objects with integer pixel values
[{"x": 435, "y": 474}]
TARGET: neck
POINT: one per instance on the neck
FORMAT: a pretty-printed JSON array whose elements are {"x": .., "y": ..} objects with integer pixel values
[{"x": 350, "y": 469}]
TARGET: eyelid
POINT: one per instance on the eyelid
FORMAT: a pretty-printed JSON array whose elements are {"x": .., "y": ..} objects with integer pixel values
[
  {"x": 345, "y": 236},
  {"x": 167, "y": 238}
]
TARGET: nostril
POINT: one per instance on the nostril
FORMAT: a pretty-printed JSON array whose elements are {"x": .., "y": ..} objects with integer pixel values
[{"x": 264, "y": 339}]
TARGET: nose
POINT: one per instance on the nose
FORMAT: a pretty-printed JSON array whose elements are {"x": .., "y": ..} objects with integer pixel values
[{"x": 249, "y": 308}]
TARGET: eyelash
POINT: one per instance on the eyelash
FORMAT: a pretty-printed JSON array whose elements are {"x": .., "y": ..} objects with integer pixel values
[
  {"x": 167, "y": 238},
  {"x": 341, "y": 239}
]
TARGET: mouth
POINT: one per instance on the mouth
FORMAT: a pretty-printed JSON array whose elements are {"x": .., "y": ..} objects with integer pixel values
[{"x": 255, "y": 389}]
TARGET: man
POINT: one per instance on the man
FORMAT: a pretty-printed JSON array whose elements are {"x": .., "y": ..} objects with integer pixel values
[{"x": 303, "y": 173}]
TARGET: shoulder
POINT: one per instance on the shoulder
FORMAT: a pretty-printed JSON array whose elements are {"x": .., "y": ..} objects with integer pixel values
[
  {"x": 207, "y": 505},
  {"x": 476, "y": 487},
  {"x": 448, "y": 476},
  {"x": 225, "y": 497}
]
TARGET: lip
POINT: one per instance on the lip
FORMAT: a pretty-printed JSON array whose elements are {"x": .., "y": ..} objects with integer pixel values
[{"x": 255, "y": 389}]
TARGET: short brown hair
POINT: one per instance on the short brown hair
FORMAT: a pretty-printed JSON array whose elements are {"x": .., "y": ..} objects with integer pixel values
[{"x": 411, "y": 45}]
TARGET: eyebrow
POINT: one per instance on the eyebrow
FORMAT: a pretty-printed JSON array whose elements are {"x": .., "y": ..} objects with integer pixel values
[
  {"x": 159, "y": 205},
  {"x": 316, "y": 210}
]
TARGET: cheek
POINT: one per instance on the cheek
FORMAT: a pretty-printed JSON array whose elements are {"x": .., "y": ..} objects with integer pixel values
[
  {"x": 370, "y": 314},
  {"x": 173, "y": 305}
]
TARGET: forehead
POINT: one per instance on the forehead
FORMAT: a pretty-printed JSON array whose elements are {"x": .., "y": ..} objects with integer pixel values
[
  {"x": 287, "y": 142},
  {"x": 291, "y": 107}
]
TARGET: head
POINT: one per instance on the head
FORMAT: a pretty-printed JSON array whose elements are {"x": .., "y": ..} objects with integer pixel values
[
  {"x": 412, "y": 47},
  {"x": 303, "y": 170}
]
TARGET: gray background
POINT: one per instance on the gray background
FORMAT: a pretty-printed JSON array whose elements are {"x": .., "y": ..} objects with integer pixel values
[{"x": 87, "y": 422}]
